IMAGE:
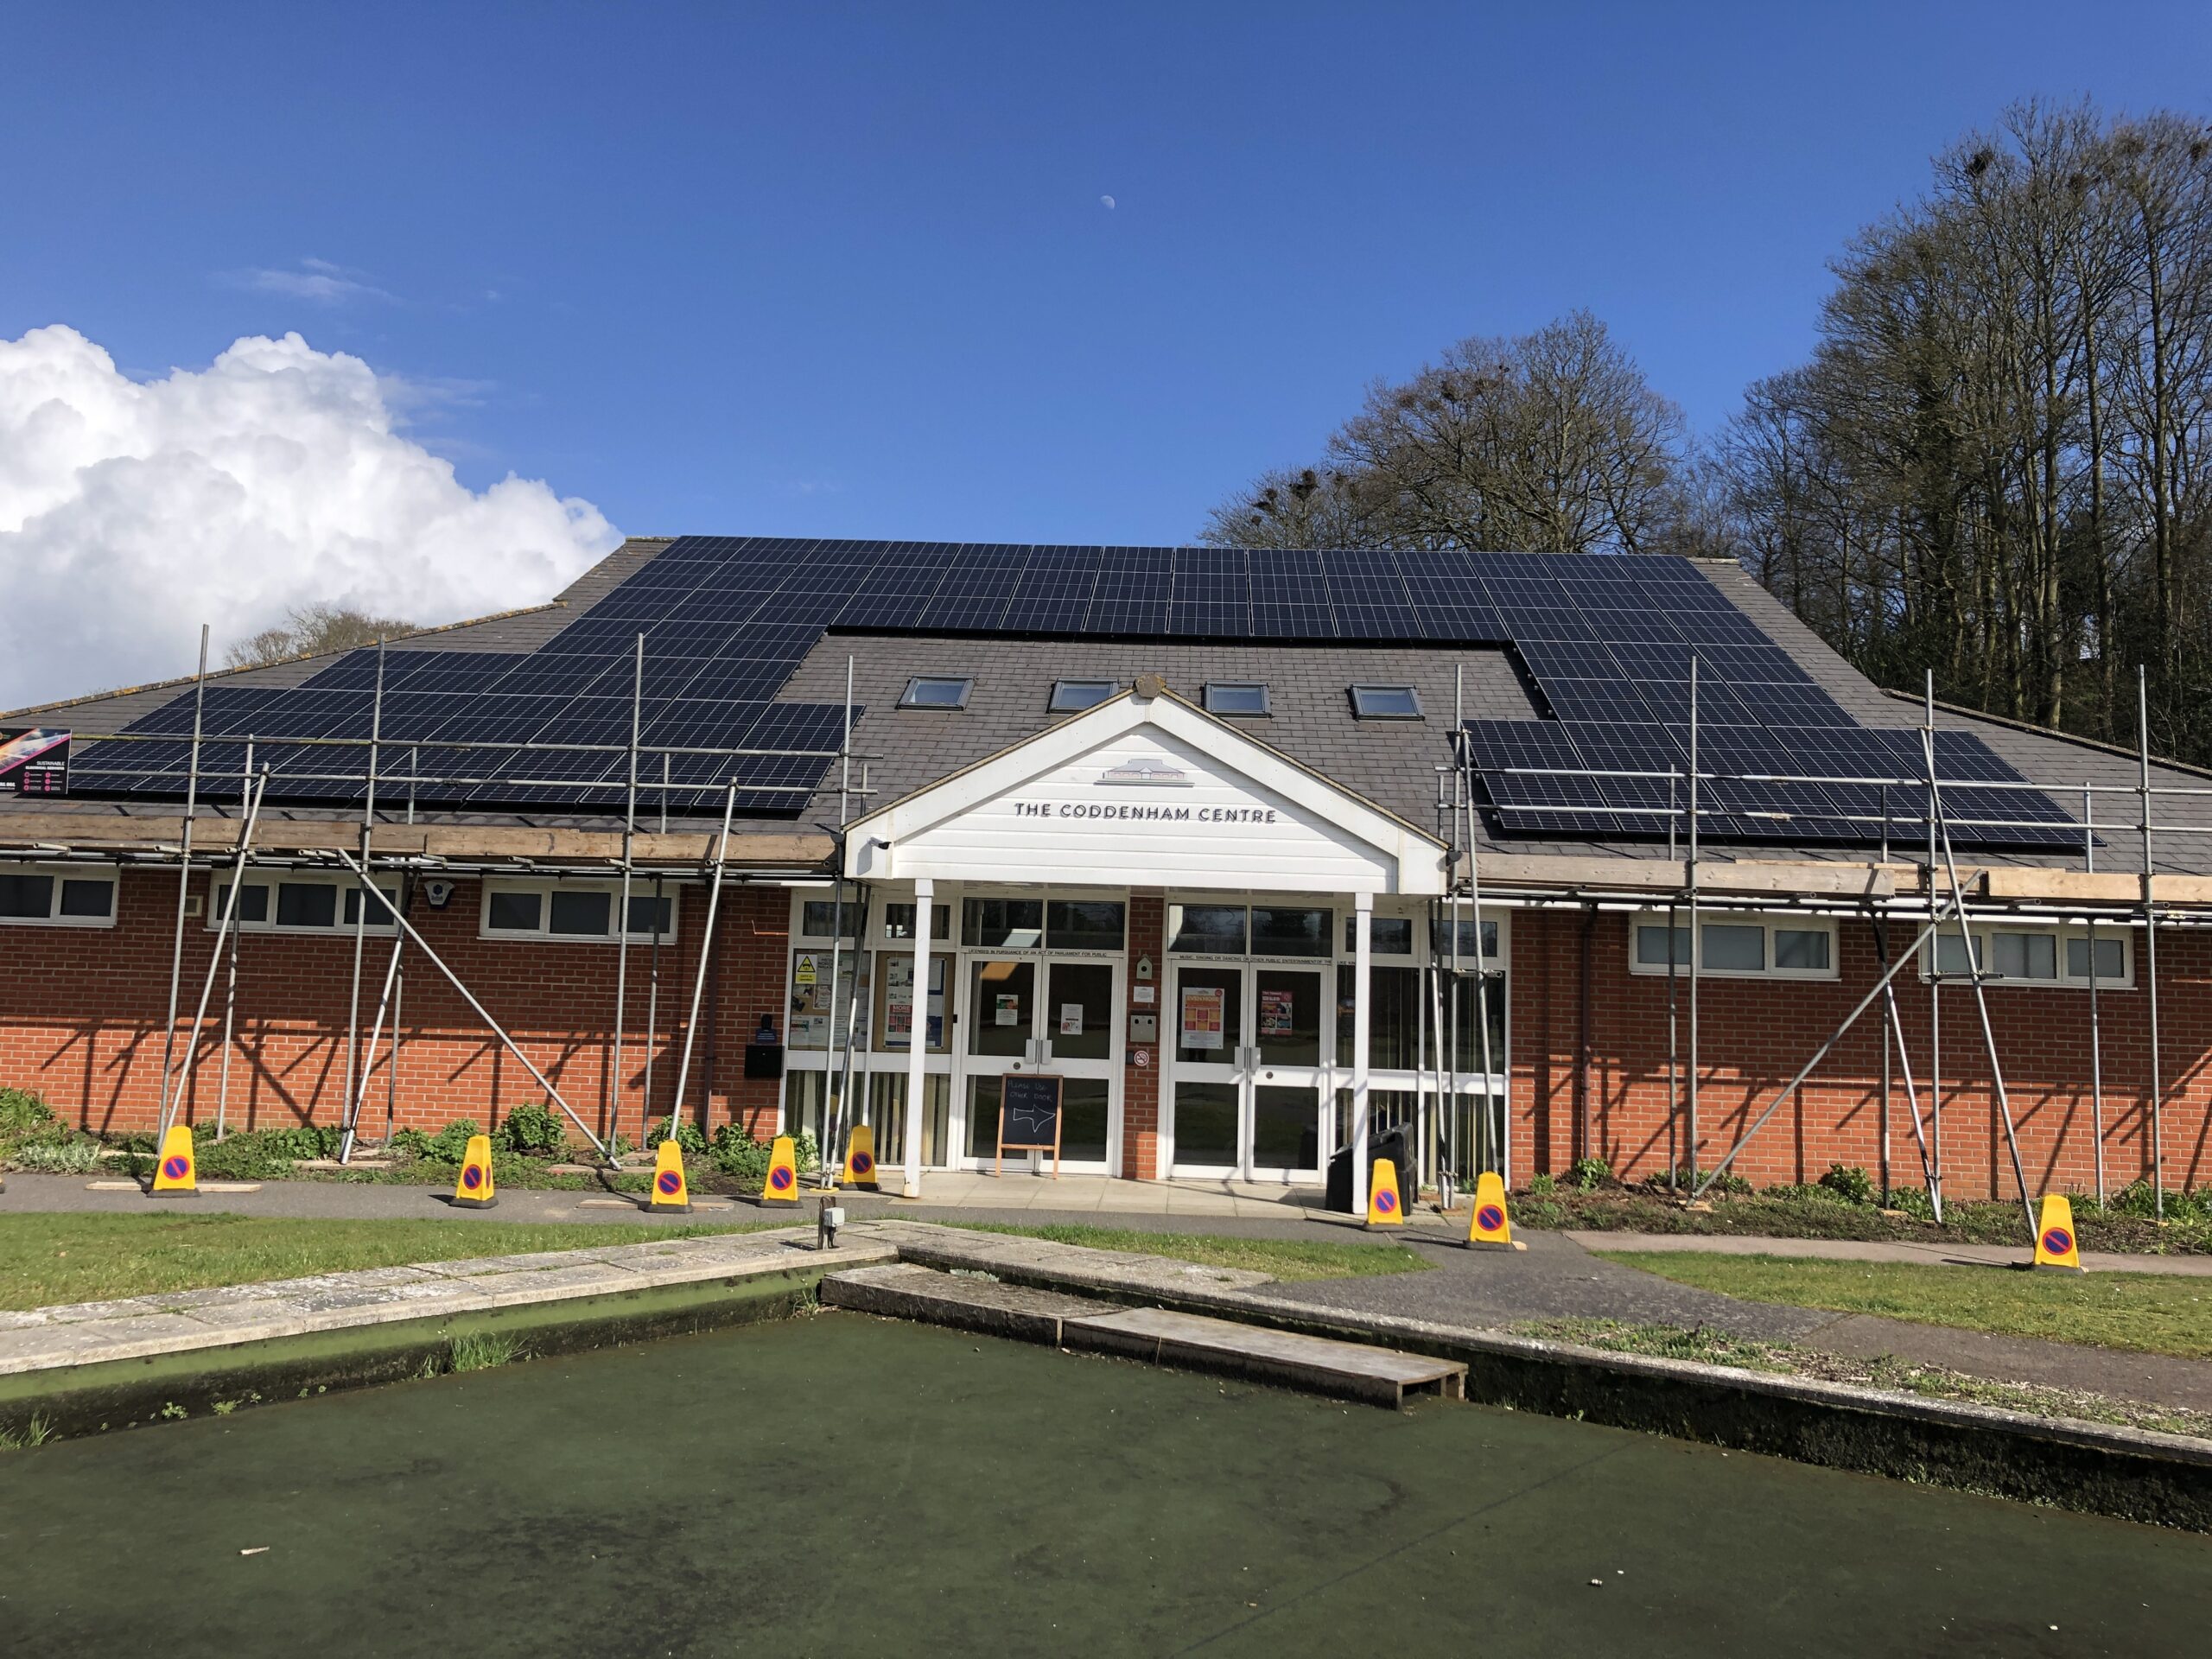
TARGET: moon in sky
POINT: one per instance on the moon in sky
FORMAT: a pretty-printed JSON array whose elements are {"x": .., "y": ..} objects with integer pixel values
[{"x": 1107, "y": 201}]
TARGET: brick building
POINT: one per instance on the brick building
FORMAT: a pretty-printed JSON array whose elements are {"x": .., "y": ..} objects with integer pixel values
[{"x": 1218, "y": 839}]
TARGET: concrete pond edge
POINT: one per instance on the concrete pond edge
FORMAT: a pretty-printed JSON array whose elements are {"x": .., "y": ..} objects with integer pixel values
[{"x": 2130, "y": 1474}]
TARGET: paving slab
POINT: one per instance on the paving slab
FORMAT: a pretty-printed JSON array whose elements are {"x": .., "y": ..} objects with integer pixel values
[
  {"x": 1854, "y": 1250},
  {"x": 903, "y": 1290}
]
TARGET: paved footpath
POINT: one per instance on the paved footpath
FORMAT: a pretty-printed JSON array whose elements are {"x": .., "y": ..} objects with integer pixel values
[{"x": 1557, "y": 1277}]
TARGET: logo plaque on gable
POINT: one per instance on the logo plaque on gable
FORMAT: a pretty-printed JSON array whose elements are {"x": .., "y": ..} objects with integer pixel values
[{"x": 1146, "y": 772}]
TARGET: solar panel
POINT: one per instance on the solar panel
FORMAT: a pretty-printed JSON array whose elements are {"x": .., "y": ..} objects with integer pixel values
[
  {"x": 1290, "y": 595},
  {"x": 1523, "y": 767},
  {"x": 1367, "y": 598}
]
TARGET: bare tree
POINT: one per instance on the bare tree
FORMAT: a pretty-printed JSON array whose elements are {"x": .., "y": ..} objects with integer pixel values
[{"x": 311, "y": 629}]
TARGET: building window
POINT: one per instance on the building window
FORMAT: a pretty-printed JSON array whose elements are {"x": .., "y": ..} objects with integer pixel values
[
  {"x": 57, "y": 898},
  {"x": 1085, "y": 925},
  {"x": 2035, "y": 955},
  {"x": 1385, "y": 703},
  {"x": 1236, "y": 697},
  {"x": 1002, "y": 924},
  {"x": 1278, "y": 931},
  {"x": 1207, "y": 930},
  {"x": 899, "y": 922},
  {"x": 1387, "y": 936},
  {"x": 927, "y": 691},
  {"x": 817, "y": 917},
  {"x": 1742, "y": 947},
  {"x": 573, "y": 911},
  {"x": 303, "y": 904},
  {"x": 1068, "y": 696},
  {"x": 1470, "y": 935}
]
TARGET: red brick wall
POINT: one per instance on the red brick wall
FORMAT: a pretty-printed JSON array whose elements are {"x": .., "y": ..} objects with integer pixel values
[
  {"x": 81, "y": 1013},
  {"x": 1140, "y": 1083},
  {"x": 1755, "y": 1034}
]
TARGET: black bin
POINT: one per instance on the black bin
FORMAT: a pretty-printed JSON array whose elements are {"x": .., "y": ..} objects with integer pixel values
[{"x": 1391, "y": 1144}]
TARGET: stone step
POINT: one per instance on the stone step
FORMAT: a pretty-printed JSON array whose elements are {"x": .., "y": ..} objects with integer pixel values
[
  {"x": 968, "y": 1302},
  {"x": 1344, "y": 1371}
]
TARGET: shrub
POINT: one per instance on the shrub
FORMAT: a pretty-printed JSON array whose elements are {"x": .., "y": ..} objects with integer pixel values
[
  {"x": 1912, "y": 1201},
  {"x": 734, "y": 1152},
  {"x": 1797, "y": 1192},
  {"x": 304, "y": 1141},
  {"x": 535, "y": 1132},
  {"x": 23, "y": 1114},
  {"x": 1542, "y": 1187},
  {"x": 250, "y": 1156},
  {"x": 73, "y": 1155},
  {"x": 1587, "y": 1174},
  {"x": 1849, "y": 1181},
  {"x": 689, "y": 1138},
  {"x": 449, "y": 1145}
]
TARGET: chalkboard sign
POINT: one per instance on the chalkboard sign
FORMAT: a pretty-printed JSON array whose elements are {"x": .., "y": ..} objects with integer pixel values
[{"x": 1029, "y": 1118}]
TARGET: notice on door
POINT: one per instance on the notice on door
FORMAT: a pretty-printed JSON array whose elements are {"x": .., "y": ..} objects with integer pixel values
[
  {"x": 1203, "y": 1009},
  {"x": 1071, "y": 1019},
  {"x": 1009, "y": 1007},
  {"x": 1277, "y": 1015}
]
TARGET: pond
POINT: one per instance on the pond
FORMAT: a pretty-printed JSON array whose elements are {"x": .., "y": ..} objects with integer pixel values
[{"x": 839, "y": 1484}]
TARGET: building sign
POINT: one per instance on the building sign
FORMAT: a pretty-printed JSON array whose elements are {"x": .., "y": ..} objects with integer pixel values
[
  {"x": 1202, "y": 1022},
  {"x": 1059, "y": 813},
  {"x": 33, "y": 760}
]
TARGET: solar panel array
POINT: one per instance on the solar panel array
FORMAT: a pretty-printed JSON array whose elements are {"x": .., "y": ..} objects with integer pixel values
[{"x": 727, "y": 620}]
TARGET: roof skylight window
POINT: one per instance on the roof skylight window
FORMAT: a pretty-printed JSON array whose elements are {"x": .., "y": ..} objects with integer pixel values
[
  {"x": 1386, "y": 702},
  {"x": 1068, "y": 696},
  {"x": 1236, "y": 697},
  {"x": 927, "y": 691}
]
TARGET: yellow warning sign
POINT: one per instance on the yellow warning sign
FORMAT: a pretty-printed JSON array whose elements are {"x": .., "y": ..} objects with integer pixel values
[
  {"x": 782, "y": 1184},
  {"x": 1490, "y": 1227},
  {"x": 1385, "y": 1207},
  {"x": 178, "y": 1171},
  {"x": 859, "y": 1157},
  {"x": 803, "y": 974},
  {"x": 2056, "y": 1246},
  {"x": 670, "y": 1193},
  {"x": 474, "y": 1190}
]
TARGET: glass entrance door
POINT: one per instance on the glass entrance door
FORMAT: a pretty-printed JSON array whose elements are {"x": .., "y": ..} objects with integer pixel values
[
  {"x": 1025, "y": 1015},
  {"x": 1246, "y": 1088}
]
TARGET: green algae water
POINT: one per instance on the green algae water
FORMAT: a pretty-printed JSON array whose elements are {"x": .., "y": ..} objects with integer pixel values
[{"x": 837, "y": 1484}]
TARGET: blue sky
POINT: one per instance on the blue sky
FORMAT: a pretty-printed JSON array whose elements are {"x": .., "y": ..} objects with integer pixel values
[{"x": 846, "y": 270}]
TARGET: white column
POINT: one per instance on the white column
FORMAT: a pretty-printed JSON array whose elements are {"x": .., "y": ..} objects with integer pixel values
[
  {"x": 918, "y": 1036},
  {"x": 1363, "y": 919}
]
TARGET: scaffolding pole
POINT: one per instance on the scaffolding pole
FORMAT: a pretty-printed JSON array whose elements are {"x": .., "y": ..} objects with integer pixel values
[
  {"x": 485, "y": 1014},
  {"x": 2096, "y": 1030},
  {"x": 622, "y": 918},
  {"x": 361, "y": 906},
  {"x": 223, "y": 936},
  {"x": 2150, "y": 947},
  {"x": 231, "y": 979},
  {"x": 353, "y": 1104},
  {"x": 183, "y": 885},
  {"x": 1690, "y": 896},
  {"x": 706, "y": 955}
]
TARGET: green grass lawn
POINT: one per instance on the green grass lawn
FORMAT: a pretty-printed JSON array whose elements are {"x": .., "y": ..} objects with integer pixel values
[
  {"x": 2154, "y": 1313},
  {"x": 48, "y": 1258},
  {"x": 1283, "y": 1258}
]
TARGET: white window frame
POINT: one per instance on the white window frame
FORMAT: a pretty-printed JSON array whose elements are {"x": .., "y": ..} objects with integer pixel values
[
  {"x": 1054, "y": 706},
  {"x": 2062, "y": 933},
  {"x": 1784, "y": 921},
  {"x": 271, "y": 879},
  {"x": 1267, "y": 699},
  {"x": 545, "y": 887},
  {"x": 109, "y": 874}
]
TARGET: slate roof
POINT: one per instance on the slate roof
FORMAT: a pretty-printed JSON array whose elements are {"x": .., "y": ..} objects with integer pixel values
[{"x": 1393, "y": 763}]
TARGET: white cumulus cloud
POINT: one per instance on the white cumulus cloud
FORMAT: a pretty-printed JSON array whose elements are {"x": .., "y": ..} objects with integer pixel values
[{"x": 276, "y": 477}]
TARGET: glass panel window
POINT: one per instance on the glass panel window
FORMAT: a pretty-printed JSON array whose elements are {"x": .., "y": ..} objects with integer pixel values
[
  {"x": 1205, "y": 1123},
  {"x": 1472, "y": 998},
  {"x": 1804, "y": 948},
  {"x": 926, "y": 691},
  {"x": 1385, "y": 703},
  {"x": 1731, "y": 948},
  {"x": 818, "y": 1011},
  {"x": 1467, "y": 936},
  {"x": 1001, "y": 1006},
  {"x": 1069, "y": 696},
  {"x": 1283, "y": 932},
  {"x": 253, "y": 902},
  {"x": 2024, "y": 956},
  {"x": 1209, "y": 1015},
  {"x": 1079, "y": 1010},
  {"x": 1213, "y": 930},
  {"x": 1651, "y": 945},
  {"x": 88, "y": 897},
  {"x": 1002, "y": 924},
  {"x": 2112, "y": 959},
  {"x": 1236, "y": 697},
  {"x": 300, "y": 903},
  {"x": 898, "y": 922},
  {"x": 894, "y": 1007},
  {"x": 381, "y": 909},
  {"x": 509, "y": 912},
  {"x": 1083, "y": 925},
  {"x": 1387, "y": 936},
  {"x": 1286, "y": 1127},
  {"x": 27, "y": 898},
  {"x": 817, "y": 918},
  {"x": 1951, "y": 954},
  {"x": 649, "y": 915},
  {"x": 1394, "y": 1017},
  {"x": 1289, "y": 1017},
  {"x": 585, "y": 915}
]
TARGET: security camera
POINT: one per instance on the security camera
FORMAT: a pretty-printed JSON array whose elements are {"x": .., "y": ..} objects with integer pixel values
[{"x": 437, "y": 892}]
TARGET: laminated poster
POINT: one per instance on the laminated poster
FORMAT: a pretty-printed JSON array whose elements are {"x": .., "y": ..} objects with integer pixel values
[{"x": 1203, "y": 1008}]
